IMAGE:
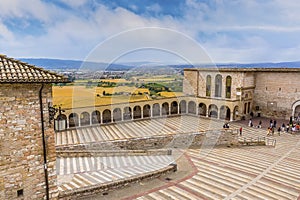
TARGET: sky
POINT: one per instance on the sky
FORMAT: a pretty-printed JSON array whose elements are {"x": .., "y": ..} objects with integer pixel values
[{"x": 243, "y": 31}]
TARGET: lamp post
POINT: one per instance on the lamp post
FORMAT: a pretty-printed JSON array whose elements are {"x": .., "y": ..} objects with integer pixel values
[{"x": 59, "y": 121}]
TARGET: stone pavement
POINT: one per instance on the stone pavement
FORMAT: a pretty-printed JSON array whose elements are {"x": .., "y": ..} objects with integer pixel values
[
  {"x": 240, "y": 173},
  {"x": 250, "y": 172}
]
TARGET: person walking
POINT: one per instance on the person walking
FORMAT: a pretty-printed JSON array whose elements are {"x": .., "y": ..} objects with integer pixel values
[{"x": 241, "y": 130}]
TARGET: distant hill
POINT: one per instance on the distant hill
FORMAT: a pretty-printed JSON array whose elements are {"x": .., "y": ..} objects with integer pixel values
[
  {"x": 58, "y": 64},
  {"x": 61, "y": 65}
]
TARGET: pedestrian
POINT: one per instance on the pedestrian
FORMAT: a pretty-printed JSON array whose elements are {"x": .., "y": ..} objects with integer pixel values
[
  {"x": 250, "y": 123},
  {"x": 278, "y": 130},
  {"x": 271, "y": 123},
  {"x": 287, "y": 128},
  {"x": 241, "y": 130},
  {"x": 259, "y": 124},
  {"x": 268, "y": 131}
]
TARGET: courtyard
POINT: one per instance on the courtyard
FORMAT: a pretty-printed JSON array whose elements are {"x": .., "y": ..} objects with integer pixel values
[{"x": 209, "y": 172}]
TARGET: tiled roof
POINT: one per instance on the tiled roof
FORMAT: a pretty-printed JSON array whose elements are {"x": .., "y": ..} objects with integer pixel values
[{"x": 15, "y": 71}]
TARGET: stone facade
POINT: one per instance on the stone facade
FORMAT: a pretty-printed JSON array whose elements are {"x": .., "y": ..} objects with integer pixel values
[
  {"x": 269, "y": 92},
  {"x": 21, "y": 144}
]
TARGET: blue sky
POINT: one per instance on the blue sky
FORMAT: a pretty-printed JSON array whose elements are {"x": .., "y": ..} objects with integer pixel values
[{"x": 228, "y": 30}]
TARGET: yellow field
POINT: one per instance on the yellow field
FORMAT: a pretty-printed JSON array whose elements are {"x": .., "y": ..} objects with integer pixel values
[
  {"x": 170, "y": 94},
  {"x": 80, "y": 96}
]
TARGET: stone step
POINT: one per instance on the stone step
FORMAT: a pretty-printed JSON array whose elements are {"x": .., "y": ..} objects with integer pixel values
[
  {"x": 278, "y": 188},
  {"x": 203, "y": 191},
  {"x": 184, "y": 194},
  {"x": 239, "y": 177},
  {"x": 270, "y": 191}
]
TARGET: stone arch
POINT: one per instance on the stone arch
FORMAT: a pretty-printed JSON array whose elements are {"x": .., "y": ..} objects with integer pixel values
[
  {"x": 96, "y": 117},
  {"x": 85, "y": 119},
  {"x": 106, "y": 116},
  {"x": 137, "y": 112},
  {"x": 117, "y": 115},
  {"x": 61, "y": 122},
  {"x": 127, "y": 115},
  {"x": 165, "y": 109},
  {"x": 296, "y": 108},
  {"x": 224, "y": 112},
  {"x": 202, "y": 109},
  {"x": 218, "y": 85},
  {"x": 192, "y": 107},
  {"x": 156, "y": 110},
  {"x": 235, "y": 112},
  {"x": 174, "y": 108},
  {"x": 146, "y": 111},
  {"x": 73, "y": 120},
  {"x": 213, "y": 111},
  {"x": 182, "y": 107}
]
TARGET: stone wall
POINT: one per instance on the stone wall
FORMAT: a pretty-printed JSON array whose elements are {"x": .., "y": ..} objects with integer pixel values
[
  {"x": 275, "y": 92},
  {"x": 21, "y": 149},
  {"x": 226, "y": 137}
]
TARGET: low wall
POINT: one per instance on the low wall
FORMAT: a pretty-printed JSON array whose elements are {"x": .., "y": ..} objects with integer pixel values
[
  {"x": 109, "y": 186},
  {"x": 109, "y": 153},
  {"x": 226, "y": 137}
]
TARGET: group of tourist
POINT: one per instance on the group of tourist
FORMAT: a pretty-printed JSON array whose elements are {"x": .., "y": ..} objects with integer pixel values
[{"x": 291, "y": 127}]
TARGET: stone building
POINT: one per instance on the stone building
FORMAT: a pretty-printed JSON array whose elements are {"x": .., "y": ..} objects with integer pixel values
[
  {"x": 27, "y": 148},
  {"x": 234, "y": 93}
]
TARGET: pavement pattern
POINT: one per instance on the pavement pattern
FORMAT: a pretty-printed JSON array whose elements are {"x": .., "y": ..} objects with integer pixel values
[{"x": 248, "y": 172}]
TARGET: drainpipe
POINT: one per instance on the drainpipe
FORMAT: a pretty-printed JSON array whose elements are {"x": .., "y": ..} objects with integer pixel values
[{"x": 44, "y": 142}]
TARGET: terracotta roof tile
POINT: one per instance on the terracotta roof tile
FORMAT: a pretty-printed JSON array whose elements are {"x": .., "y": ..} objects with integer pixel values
[{"x": 15, "y": 71}]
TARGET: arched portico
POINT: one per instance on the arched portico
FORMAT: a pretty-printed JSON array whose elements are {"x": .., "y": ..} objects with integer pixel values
[
  {"x": 127, "y": 115},
  {"x": 73, "y": 120},
  {"x": 165, "y": 109},
  {"x": 182, "y": 107},
  {"x": 156, "y": 110},
  {"x": 106, "y": 116},
  {"x": 137, "y": 112},
  {"x": 213, "y": 111},
  {"x": 224, "y": 113},
  {"x": 117, "y": 114},
  {"x": 192, "y": 107},
  {"x": 84, "y": 119},
  {"x": 146, "y": 111},
  {"x": 174, "y": 108},
  {"x": 202, "y": 109},
  {"x": 96, "y": 117}
]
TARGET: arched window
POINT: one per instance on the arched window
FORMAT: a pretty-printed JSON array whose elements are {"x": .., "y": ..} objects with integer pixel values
[
  {"x": 208, "y": 85},
  {"x": 218, "y": 86},
  {"x": 228, "y": 87}
]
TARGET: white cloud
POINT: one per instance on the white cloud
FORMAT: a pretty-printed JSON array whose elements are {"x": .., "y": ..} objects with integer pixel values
[{"x": 230, "y": 30}]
